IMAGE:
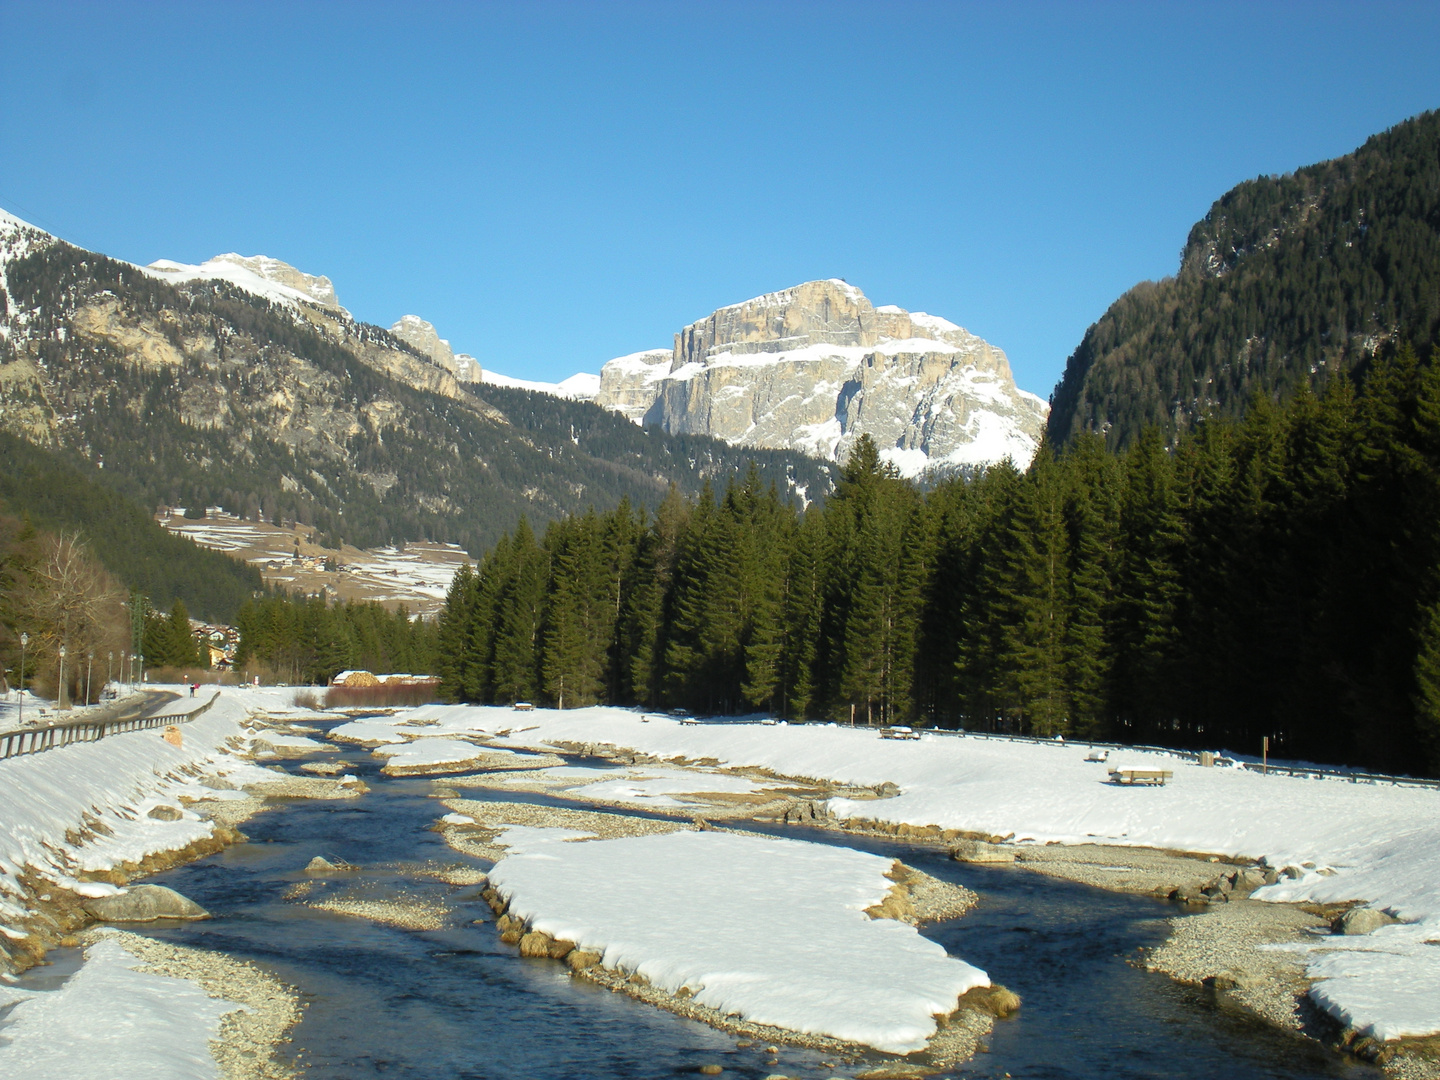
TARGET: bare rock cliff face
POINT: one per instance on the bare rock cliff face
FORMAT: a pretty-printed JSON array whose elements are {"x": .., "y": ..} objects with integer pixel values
[
  {"x": 315, "y": 286},
  {"x": 814, "y": 367},
  {"x": 628, "y": 384},
  {"x": 415, "y": 331}
]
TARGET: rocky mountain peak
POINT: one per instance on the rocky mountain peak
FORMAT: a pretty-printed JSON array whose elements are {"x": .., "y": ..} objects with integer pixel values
[
  {"x": 259, "y": 274},
  {"x": 415, "y": 331},
  {"x": 814, "y": 367},
  {"x": 315, "y": 286}
]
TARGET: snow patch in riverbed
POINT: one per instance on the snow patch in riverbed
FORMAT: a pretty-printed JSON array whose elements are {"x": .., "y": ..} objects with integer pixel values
[
  {"x": 112, "y": 1021},
  {"x": 639, "y": 785},
  {"x": 772, "y": 929},
  {"x": 423, "y": 752}
]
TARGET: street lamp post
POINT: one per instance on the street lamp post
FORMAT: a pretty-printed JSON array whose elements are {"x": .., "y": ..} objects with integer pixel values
[
  {"x": 109, "y": 666},
  {"x": 64, "y": 698},
  {"x": 89, "y": 669},
  {"x": 24, "y": 640},
  {"x": 141, "y": 665}
]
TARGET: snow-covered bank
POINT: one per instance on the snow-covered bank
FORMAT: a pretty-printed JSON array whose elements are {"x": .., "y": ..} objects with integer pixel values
[
  {"x": 111, "y": 1020},
  {"x": 86, "y": 807},
  {"x": 772, "y": 930},
  {"x": 1369, "y": 842},
  {"x": 84, "y": 811}
]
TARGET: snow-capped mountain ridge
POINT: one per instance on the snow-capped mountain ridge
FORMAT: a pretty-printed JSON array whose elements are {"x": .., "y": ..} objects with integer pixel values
[
  {"x": 258, "y": 274},
  {"x": 815, "y": 366}
]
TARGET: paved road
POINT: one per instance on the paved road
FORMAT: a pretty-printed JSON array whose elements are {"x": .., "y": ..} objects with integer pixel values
[{"x": 155, "y": 701}]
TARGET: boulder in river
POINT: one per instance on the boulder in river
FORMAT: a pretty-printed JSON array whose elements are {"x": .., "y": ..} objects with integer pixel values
[
  {"x": 145, "y": 903},
  {"x": 1361, "y": 920},
  {"x": 978, "y": 851}
]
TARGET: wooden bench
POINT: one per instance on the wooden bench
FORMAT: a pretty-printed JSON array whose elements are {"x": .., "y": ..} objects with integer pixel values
[{"x": 1140, "y": 776}]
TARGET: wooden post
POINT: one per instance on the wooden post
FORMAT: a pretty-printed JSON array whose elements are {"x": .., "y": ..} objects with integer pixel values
[
  {"x": 1265, "y": 755},
  {"x": 852, "y": 714}
]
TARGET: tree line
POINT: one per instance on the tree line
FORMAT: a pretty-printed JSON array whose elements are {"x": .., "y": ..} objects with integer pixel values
[
  {"x": 1272, "y": 577},
  {"x": 304, "y": 640}
]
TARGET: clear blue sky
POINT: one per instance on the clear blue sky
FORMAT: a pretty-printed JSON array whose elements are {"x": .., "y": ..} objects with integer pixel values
[{"x": 554, "y": 184}]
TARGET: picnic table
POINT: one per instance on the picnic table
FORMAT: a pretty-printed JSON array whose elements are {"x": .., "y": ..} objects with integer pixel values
[
  {"x": 1129, "y": 775},
  {"x": 899, "y": 732}
]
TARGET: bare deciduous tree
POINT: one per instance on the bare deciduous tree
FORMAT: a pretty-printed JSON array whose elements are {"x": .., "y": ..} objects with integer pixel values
[{"x": 67, "y": 598}]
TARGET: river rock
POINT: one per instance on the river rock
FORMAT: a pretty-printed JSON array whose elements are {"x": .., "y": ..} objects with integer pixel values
[
  {"x": 900, "y": 1070},
  {"x": 1226, "y": 980},
  {"x": 145, "y": 903},
  {"x": 804, "y": 812},
  {"x": 888, "y": 790},
  {"x": 165, "y": 813},
  {"x": 1250, "y": 879},
  {"x": 978, "y": 851},
  {"x": 1361, "y": 920},
  {"x": 320, "y": 865},
  {"x": 1190, "y": 893}
]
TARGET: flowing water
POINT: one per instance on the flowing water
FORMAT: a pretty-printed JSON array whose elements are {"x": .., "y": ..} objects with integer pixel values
[{"x": 456, "y": 1004}]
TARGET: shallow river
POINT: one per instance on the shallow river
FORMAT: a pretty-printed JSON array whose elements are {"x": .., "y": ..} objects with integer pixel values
[{"x": 456, "y": 1003}]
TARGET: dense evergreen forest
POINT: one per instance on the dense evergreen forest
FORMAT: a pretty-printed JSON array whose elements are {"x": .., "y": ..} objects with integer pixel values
[
  {"x": 56, "y": 496},
  {"x": 1288, "y": 281},
  {"x": 1275, "y": 576},
  {"x": 263, "y": 412},
  {"x": 306, "y": 641}
]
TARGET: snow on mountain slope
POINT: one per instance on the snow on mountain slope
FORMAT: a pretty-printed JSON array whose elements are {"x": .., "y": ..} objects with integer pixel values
[
  {"x": 17, "y": 239},
  {"x": 582, "y": 386},
  {"x": 259, "y": 274}
]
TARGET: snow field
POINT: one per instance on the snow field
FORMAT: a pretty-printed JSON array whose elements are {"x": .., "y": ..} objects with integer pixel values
[
  {"x": 434, "y": 751},
  {"x": 110, "y": 1020},
  {"x": 1375, "y": 843},
  {"x": 772, "y": 930}
]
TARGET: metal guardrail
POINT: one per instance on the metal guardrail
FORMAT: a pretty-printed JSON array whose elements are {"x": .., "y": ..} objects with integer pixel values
[{"x": 35, "y": 740}]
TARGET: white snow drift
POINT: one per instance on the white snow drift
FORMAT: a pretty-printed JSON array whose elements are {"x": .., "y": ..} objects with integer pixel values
[{"x": 773, "y": 930}]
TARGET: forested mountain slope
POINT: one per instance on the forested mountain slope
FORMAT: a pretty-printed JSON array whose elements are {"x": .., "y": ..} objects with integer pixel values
[
  {"x": 201, "y": 393},
  {"x": 1288, "y": 280},
  {"x": 54, "y": 495}
]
